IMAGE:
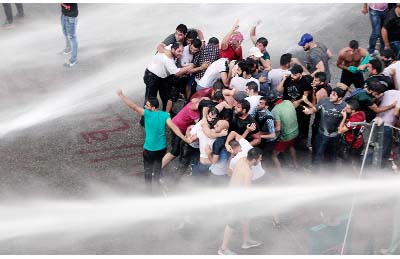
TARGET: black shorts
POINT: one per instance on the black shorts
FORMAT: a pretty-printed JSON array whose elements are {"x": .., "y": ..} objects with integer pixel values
[{"x": 349, "y": 78}]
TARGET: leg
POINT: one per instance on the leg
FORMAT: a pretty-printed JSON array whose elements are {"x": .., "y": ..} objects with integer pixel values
[
  {"x": 358, "y": 80},
  {"x": 292, "y": 152},
  {"x": 275, "y": 160},
  {"x": 376, "y": 29},
  {"x": 158, "y": 156},
  {"x": 148, "y": 169},
  {"x": 227, "y": 237},
  {"x": 20, "y": 10},
  {"x": 322, "y": 144},
  {"x": 387, "y": 144},
  {"x": 8, "y": 13},
  {"x": 71, "y": 23},
  {"x": 67, "y": 48},
  {"x": 395, "y": 46},
  {"x": 245, "y": 231}
]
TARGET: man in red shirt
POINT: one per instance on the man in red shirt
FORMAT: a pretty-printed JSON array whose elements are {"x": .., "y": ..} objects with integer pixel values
[
  {"x": 231, "y": 44},
  {"x": 353, "y": 134}
]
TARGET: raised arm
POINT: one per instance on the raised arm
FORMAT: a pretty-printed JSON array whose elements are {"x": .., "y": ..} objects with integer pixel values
[
  {"x": 130, "y": 103},
  {"x": 225, "y": 41}
]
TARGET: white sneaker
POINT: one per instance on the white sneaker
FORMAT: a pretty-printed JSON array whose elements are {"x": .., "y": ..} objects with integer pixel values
[
  {"x": 250, "y": 244},
  {"x": 70, "y": 64},
  {"x": 225, "y": 252}
]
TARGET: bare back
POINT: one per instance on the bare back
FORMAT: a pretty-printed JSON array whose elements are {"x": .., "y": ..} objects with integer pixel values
[{"x": 241, "y": 176}]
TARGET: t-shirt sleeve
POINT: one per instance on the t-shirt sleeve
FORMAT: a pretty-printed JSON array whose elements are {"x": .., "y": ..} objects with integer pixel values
[
  {"x": 245, "y": 145},
  {"x": 218, "y": 146},
  {"x": 171, "y": 66},
  {"x": 275, "y": 114},
  {"x": 169, "y": 40}
]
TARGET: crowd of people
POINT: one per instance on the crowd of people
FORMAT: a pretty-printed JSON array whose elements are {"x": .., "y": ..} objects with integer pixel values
[{"x": 227, "y": 111}]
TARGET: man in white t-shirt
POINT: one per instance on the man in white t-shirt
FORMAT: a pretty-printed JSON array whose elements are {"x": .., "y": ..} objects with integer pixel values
[
  {"x": 389, "y": 119},
  {"x": 276, "y": 75},
  {"x": 217, "y": 70},
  {"x": 239, "y": 147},
  {"x": 392, "y": 66},
  {"x": 252, "y": 96},
  {"x": 162, "y": 66},
  {"x": 243, "y": 76}
]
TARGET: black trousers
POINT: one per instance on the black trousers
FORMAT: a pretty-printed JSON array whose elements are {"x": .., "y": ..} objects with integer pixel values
[
  {"x": 8, "y": 11},
  {"x": 152, "y": 165},
  {"x": 156, "y": 85}
]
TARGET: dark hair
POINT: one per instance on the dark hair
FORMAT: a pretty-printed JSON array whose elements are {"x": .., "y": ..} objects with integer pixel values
[
  {"x": 191, "y": 34},
  {"x": 253, "y": 64},
  {"x": 375, "y": 85},
  {"x": 339, "y": 91},
  {"x": 286, "y": 59},
  {"x": 251, "y": 85},
  {"x": 354, "y": 105},
  {"x": 321, "y": 76},
  {"x": 218, "y": 96},
  {"x": 196, "y": 43},
  {"x": 377, "y": 65},
  {"x": 234, "y": 143},
  {"x": 213, "y": 40},
  {"x": 389, "y": 53},
  {"x": 213, "y": 110},
  {"x": 182, "y": 28},
  {"x": 263, "y": 41},
  {"x": 218, "y": 85},
  {"x": 353, "y": 44},
  {"x": 226, "y": 114},
  {"x": 254, "y": 153},
  {"x": 176, "y": 45},
  {"x": 245, "y": 105},
  {"x": 153, "y": 102},
  {"x": 265, "y": 99},
  {"x": 245, "y": 66}
]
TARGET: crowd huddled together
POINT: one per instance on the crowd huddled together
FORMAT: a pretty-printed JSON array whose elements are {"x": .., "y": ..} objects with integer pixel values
[{"x": 226, "y": 111}]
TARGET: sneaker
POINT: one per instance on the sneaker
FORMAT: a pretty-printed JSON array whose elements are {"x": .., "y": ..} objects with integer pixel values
[
  {"x": 70, "y": 64},
  {"x": 6, "y": 26},
  {"x": 225, "y": 252},
  {"x": 250, "y": 244},
  {"x": 65, "y": 52}
]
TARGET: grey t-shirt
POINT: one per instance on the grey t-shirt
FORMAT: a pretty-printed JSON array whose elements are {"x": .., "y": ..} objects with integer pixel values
[
  {"x": 330, "y": 116},
  {"x": 170, "y": 39},
  {"x": 317, "y": 54}
]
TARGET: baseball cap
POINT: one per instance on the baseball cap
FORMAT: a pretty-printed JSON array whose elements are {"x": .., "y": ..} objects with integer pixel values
[
  {"x": 254, "y": 51},
  {"x": 296, "y": 69},
  {"x": 306, "y": 38}
]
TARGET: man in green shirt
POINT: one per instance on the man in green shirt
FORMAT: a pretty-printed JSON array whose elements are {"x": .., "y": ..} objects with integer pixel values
[
  {"x": 286, "y": 127},
  {"x": 155, "y": 142}
]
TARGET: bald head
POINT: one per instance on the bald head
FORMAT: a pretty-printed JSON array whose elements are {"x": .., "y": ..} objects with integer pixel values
[{"x": 221, "y": 125}]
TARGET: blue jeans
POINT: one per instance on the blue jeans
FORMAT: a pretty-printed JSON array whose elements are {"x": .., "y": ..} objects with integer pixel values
[
  {"x": 69, "y": 29},
  {"x": 376, "y": 18},
  {"x": 395, "y": 46},
  {"x": 325, "y": 144},
  {"x": 387, "y": 143}
]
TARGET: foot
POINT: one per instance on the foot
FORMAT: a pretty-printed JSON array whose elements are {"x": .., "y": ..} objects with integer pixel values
[
  {"x": 19, "y": 17},
  {"x": 6, "y": 26},
  {"x": 65, "y": 52},
  {"x": 250, "y": 243},
  {"x": 70, "y": 64},
  {"x": 225, "y": 252}
]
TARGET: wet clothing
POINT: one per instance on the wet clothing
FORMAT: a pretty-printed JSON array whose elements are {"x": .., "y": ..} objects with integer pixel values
[
  {"x": 240, "y": 127},
  {"x": 209, "y": 53},
  {"x": 354, "y": 135},
  {"x": 349, "y": 78},
  {"x": 294, "y": 90},
  {"x": 316, "y": 55},
  {"x": 392, "y": 25},
  {"x": 285, "y": 113},
  {"x": 330, "y": 116},
  {"x": 155, "y": 135},
  {"x": 385, "y": 80},
  {"x": 231, "y": 54},
  {"x": 364, "y": 100}
]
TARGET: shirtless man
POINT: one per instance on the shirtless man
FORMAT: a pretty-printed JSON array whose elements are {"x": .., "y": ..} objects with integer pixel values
[
  {"x": 241, "y": 178},
  {"x": 349, "y": 59}
]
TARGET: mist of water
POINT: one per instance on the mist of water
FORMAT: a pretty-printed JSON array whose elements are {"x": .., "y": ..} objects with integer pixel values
[
  {"x": 92, "y": 216},
  {"x": 116, "y": 42}
]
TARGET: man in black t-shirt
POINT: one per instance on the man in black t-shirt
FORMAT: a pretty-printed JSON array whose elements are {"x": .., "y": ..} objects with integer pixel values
[
  {"x": 391, "y": 30},
  {"x": 69, "y": 20},
  {"x": 242, "y": 122},
  {"x": 293, "y": 88}
]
